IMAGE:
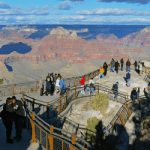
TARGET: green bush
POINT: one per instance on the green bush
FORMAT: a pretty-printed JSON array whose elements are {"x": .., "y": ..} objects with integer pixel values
[
  {"x": 92, "y": 123},
  {"x": 100, "y": 102},
  {"x": 1, "y": 81}
]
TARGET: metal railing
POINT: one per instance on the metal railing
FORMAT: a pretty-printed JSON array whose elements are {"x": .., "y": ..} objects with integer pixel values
[
  {"x": 60, "y": 104},
  {"x": 34, "y": 86}
]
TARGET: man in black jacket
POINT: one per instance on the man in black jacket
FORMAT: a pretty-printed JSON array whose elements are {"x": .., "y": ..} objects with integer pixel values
[
  {"x": 19, "y": 117},
  {"x": 7, "y": 115}
]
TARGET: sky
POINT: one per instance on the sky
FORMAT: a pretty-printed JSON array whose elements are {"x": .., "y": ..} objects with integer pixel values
[{"x": 107, "y": 12}]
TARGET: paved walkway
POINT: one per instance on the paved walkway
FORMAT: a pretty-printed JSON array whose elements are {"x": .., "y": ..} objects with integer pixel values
[
  {"x": 112, "y": 77},
  {"x": 24, "y": 144}
]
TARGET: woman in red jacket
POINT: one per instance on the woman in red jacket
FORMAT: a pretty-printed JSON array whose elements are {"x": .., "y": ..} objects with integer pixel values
[{"x": 82, "y": 84}]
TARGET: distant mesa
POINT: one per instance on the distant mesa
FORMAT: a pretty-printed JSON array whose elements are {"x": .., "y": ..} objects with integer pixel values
[
  {"x": 147, "y": 29},
  {"x": 20, "y": 47},
  {"x": 62, "y": 32}
]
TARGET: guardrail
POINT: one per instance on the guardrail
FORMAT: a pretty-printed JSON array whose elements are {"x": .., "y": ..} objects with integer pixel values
[
  {"x": 61, "y": 103},
  {"x": 34, "y": 86},
  {"x": 53, "y": 138}
]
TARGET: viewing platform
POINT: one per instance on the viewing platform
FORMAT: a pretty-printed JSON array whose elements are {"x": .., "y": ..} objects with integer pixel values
[{"x": 44, "y": 104}]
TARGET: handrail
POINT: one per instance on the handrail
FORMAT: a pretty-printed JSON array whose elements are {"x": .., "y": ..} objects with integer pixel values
[
  {"x": 33, "y": 86},
  {"x": 63, "y": 134},
  {"x": 74, "y": 94}
]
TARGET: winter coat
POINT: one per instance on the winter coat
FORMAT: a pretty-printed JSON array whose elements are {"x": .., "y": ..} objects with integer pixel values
[
  {"x": 128, "y": 75},
  {"x": 6, "y": 115},
  {"x": 82, "y": 81},
  {"x": 19, "y": 109},
  {"x": 62, "y": 85},
  {"x": 101, "y": 70},
  {"x": 57, "y": 82}
]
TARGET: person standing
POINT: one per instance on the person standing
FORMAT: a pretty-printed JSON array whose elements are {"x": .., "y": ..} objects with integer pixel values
[
  {"x": 62, "y": 86},
  {"x": 117, "y": 66},
  {"x": 112, "y": 65},
  {"x": 48, "y": 86},
  {"x": 105, "y": 66},
  {"x": 134, "y": 94},
  {"x": 122, "y": 63},
  {"x": 92, "y": 87},
  {"x": 19, "y": 117},
  {"x": 7, "y": 115},
  {"x": 101, "y": 72},
  {"x": 127, "y": 79},
  {"x": 136, "y": 66},
  {"x": 140, "y": 68},
  {"x": 57, "y": 89},
  {"x": 82, "y": 84},
  {"x": 115, "y": 90},
  {"x": 128, "y": 64}
]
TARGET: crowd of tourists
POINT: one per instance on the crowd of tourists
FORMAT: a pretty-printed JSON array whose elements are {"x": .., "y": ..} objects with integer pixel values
[
  {"x": 13, "y": 113},
  {"x": 116, "y": 66},
  {"x": 53, "y": 84}
]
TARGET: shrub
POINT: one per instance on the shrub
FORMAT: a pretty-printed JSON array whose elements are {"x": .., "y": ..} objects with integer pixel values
[
  {"x": 92, "y": 123},
  {"x": 100, "y": 102}
]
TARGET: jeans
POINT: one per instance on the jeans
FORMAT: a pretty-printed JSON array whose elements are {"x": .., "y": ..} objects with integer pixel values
[
  {"x": 101, "y": 76},
  {"x": 89, "y": 90},
  {"x": 128, "y": 69},
  {"x": 112, "y": 69},
  {"x": 115, "y": 94}
]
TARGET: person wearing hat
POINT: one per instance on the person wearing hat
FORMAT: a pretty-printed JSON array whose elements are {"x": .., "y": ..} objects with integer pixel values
[{"x": 7, "y": 115}]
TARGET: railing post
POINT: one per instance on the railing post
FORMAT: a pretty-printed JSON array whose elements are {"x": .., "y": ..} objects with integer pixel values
[
  {"x": 60, "y": 104},
  {"x": 47, "y": 112},
  {"x": 121, "y": 119},
  {"x": 13, "y": 89},
  {"x": 33, "y": 105},
  {"x": 98, "y": 88},
  {"x": 73, "y": 141},
  {"x": 33, "y": 139},
  {"x": 66, "y": 99},
  {"x": 75, "y": 86},
  {"x": 51, "y": 138}
]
